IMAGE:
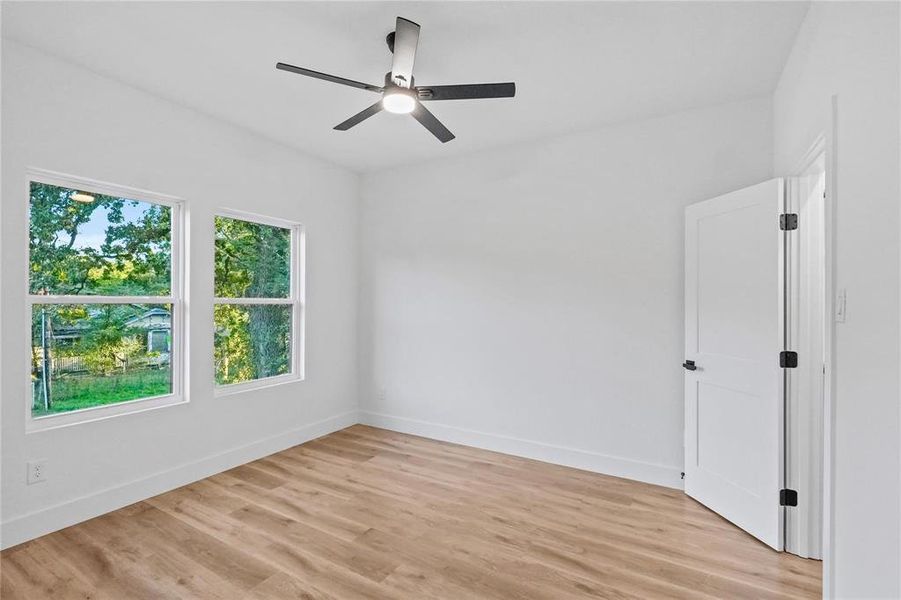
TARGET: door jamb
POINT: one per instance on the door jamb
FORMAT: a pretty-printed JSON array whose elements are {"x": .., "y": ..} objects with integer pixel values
[
  {"x": 831, "y": 204},
  {"x": 828, "y": 143},
  {"x": 803, "y": 442}
]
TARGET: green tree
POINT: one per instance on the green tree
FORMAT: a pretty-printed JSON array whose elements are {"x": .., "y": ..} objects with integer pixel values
[
  {"x": 110, "y": 343},
  {"x": 133, "y": 259}
]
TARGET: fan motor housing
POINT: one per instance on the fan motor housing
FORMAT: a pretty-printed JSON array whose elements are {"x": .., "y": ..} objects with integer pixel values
[{"x": 389, "y": 81}]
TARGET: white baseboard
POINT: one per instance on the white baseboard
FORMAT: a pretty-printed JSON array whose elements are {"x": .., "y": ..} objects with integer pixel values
[
  {"x": 42, "y": 522},
  {"x": 560, "y": 455},
  {"x": 32, "y": 525}
]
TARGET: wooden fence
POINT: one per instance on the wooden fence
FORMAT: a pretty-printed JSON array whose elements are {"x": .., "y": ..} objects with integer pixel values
[
  {"x": 72, "y": 365},
  {"x": 68, "y": 364}
]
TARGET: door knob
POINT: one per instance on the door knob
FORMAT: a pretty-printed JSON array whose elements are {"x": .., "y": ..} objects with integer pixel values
[{"x": 689, "y": 365}]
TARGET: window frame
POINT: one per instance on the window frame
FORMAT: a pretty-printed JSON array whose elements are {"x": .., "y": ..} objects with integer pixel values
[
  {"x": 295, "y": 299},
  {"x": 175, "y": 299}
]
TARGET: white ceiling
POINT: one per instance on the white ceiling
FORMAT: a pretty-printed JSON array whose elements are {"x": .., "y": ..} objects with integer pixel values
[{"x": 576, "y": 64}]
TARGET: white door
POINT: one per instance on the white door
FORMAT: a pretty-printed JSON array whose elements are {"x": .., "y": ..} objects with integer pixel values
[{"x": 734, "y": 332}]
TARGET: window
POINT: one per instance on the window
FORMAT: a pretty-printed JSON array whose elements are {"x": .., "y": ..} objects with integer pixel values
[
  {"x": 258, "y": 312},
  {"x": 104, "y": 299}
]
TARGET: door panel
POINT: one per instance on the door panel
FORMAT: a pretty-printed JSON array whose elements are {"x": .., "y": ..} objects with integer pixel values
[
  {"x": 729, "y": 260},
  {"x": 734, "y": 306},
  {"x": 718, "y": 428}
]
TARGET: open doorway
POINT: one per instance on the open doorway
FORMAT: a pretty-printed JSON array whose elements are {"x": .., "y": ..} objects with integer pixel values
[{"x": 806, "y": 384}]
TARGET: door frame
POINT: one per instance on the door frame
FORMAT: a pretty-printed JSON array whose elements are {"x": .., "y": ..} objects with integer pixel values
[
  {"x": 827, "y": 142},
  {"x": 831, "y": 203},
  {"x": 804, "y": 438}
]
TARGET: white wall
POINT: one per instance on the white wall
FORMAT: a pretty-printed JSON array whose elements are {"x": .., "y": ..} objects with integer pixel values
[
  {"x": 851, "y": 50},
  {"x": 60, "y": 117},
  {"x": 529, "y": 299}
]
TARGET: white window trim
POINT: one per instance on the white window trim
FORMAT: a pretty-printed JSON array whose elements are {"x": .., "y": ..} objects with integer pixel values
[
  {"x": 175, "y": 299},
  {"x": 295, "y": 299}
]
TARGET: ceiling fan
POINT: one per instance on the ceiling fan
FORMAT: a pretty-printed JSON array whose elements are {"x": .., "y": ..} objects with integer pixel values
[{"x": 399, "y": 94}]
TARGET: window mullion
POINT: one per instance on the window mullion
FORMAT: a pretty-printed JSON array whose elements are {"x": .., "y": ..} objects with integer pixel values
[
  {"x": 251, "y": 301},
  {"x": 56, "y": 299}
]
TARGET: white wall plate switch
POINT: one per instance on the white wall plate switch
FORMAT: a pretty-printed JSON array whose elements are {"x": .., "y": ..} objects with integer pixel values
[{"x": 841, "y": 306}]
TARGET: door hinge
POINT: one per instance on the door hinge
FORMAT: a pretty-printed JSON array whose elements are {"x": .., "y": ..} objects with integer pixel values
[
  {"x": 788, "y": 221},
  {"x": 788, "y": 359},
  {"x": 788, "y": 497}
]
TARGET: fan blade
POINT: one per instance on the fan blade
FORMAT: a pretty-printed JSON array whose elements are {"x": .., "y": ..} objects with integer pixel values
[
  {"x": 359, "y": 117},
  {"x": 430, "y": 122},
  {"x": 327, "y": 77},
  {"x": 406, "y": 38},
  {"x": 467, "y": 92}
]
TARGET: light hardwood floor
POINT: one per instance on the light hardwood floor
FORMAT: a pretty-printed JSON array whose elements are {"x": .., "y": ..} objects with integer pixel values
[{"x": 369, "y": 513}]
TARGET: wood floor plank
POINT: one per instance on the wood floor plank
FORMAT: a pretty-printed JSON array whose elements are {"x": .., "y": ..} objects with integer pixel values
[
  {"x": 282, "y": 586},
  {"x": 375, "y": 514}
]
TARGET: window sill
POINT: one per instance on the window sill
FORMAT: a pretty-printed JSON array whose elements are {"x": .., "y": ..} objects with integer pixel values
[
  {"x": 100, "y": 413},
  {"x": 257, "y": 384}
]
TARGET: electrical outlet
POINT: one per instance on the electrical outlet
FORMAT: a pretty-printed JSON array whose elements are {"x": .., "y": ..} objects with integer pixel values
[
  {"x": 381, "y": 395},
  {"x": 37, "y": 471}
]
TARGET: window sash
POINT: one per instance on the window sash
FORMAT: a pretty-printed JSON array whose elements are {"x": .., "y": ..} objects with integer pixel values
[
  {"x": 295, "y": 231},
  {"x": 176, "y": 242},
  {"x": 94, "y": 413},
  {"x": 297, "y": 348}
]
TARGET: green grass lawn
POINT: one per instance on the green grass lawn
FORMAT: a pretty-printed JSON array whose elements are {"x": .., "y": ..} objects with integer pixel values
[{"x": 73, "y": 392}]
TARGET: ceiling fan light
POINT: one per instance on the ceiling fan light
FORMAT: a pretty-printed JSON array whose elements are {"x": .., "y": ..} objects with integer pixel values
[{"x": 398, "y": 103}]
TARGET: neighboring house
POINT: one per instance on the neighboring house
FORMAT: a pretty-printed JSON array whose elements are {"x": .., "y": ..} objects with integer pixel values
[{"x": 157, "y": 322}]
